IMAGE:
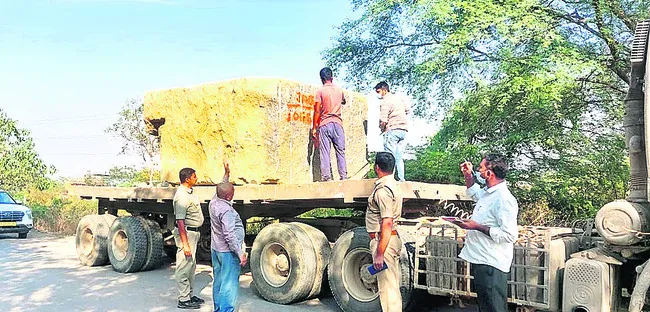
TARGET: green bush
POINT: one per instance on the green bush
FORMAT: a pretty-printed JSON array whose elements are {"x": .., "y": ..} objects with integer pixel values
[{"x": 56, "y": 212}]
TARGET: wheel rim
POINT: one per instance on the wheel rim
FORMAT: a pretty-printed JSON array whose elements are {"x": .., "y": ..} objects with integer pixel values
[
  {"x": 87, "y": 241},
  {"x": 356, "y": 279},
  {"x": 120, "y": 245},
  {"x": 275, "y": 264}
]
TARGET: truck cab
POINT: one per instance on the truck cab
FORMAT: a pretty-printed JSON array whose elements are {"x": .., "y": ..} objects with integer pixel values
[{"x": 614, "y": 273}]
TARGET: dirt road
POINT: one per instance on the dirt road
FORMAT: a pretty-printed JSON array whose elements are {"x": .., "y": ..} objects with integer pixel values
[{"x": 42, "y": 273}]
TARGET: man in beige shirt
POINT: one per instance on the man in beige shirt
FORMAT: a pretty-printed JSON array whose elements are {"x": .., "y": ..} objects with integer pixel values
[
  {"x": 189, "y": 218},
  {"x": 384, "y": 208},
  {"x": 393, "y": 123}
]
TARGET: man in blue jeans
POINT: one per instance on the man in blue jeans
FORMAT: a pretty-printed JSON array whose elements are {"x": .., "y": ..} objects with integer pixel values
[
  {"x": 393, "y": 124},
  {"x": 227, "y": 243}
]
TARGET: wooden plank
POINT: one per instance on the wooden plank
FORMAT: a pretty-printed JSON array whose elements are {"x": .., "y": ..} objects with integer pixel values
[{"x": 346, "y": 191}]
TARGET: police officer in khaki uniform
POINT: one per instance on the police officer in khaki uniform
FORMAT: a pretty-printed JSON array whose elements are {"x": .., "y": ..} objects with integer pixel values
[
  {"x": 189, "y": 217},
  {"x": 384, "y": 207}
]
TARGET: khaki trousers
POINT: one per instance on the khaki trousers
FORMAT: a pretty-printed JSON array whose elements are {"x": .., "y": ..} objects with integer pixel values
[
  {"x": 185, "y": 269},
  {"x": 389, "y": 280}
]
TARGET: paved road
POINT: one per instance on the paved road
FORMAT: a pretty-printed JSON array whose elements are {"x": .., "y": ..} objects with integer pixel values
[{"x": 42, "y": 273}]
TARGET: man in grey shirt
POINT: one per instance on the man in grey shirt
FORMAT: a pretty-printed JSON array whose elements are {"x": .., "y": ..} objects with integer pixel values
[{"x": 228, "y": 255}]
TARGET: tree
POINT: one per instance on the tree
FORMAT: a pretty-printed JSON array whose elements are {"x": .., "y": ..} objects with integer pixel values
[
  {"x": 131, "y": 128},
  {"x": 540, "y": 81},
  {"x": 125, "y": 176},
  {"x": 121, "y": 176},
  {"x": 20, "y": 165},
  {"x": 434, "y": 48}
]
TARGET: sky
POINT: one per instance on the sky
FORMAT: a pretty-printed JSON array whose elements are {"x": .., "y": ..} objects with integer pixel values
[{"x": 67, "y": 67}]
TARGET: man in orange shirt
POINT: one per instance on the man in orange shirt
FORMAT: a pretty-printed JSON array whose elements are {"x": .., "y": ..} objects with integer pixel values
[{"x": 327, "y": 125}]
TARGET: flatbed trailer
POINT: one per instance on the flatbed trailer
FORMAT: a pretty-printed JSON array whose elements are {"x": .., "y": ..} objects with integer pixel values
[{"x": 289, "y": 259}]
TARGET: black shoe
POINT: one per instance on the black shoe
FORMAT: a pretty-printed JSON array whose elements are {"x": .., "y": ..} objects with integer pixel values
[
  {"x": 196, "y": 299},
  {"x": 188, "y": 305}
]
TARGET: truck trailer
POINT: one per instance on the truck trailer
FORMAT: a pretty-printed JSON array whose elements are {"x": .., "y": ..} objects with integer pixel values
[{"x": 601, "y": 265}]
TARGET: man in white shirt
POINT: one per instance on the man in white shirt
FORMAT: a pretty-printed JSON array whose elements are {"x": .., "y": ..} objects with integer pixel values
[{"x": 492, "y": 232}]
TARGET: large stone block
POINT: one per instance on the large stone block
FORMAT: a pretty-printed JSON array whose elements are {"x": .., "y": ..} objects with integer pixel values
[{"x": 260, "y": 125}]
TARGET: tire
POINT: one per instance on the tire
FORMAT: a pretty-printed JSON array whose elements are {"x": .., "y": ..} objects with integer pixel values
[
  {"x": 127, "y": 245},
  {"x": 352, "y": 289},
  {"x": 282, "y": 268},
  {"x": 322, "y": 250},
  {"x": 22, "y": 235},
  {"x": 154, "y": 244},
  {"x": 109, "y": 219},
  {"x": 170, "y": 250},
  {"x": 203, "y": 248},
  {"x": 91, "y": 240},
  {"x": 350, "y": 257}
]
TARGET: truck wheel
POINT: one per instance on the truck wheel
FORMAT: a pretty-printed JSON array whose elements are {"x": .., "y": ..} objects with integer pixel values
[
  {"x": 352, "y": 286},
  {"x": 90, "y": 240},
  {"x": 170, "y": 250},
  {"x": 203, "y": 248},
  {"x": 354, "y": 289},
  {"x": 322, "y": 251},
  {"x": 22, "y": 235},
  {"x": 154, "y": 244},
  {"x": 127, "y": 246},
  {"x": 282, "y": 268}
]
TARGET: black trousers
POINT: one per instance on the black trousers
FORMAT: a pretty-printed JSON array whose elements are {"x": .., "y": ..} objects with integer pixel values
[{"x": 491, "y": 287}]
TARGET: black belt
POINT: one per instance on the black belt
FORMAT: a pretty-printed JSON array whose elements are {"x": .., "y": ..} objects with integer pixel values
[{"x": 190, "y": 228}]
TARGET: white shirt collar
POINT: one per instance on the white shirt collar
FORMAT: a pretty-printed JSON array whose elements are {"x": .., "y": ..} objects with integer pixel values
[{"x": 497, "y": 187}]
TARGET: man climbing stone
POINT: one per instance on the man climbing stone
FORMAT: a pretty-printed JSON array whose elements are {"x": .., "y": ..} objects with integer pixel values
[{"x": 328, "y": 125}]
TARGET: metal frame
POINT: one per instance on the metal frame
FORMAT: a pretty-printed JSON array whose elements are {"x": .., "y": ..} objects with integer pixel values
[
  {"x": 446, "y": 274},
  {"x": 281, "y": 200}
]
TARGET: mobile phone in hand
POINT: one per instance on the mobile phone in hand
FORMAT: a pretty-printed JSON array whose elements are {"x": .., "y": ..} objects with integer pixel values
[{"x": 374, "y": 271}]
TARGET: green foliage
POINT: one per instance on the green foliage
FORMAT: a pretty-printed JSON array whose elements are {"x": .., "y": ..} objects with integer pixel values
[
  {"x": 133, "y": 130},
  {"x": 55, "y": 212},
  {"x": 20, "y": 165},
  {"x": 330, "y": 212},
  {"x": 539, "y": 81},
  {"x": 126, "y": 176},
  {"x": 121, "y": 176}
]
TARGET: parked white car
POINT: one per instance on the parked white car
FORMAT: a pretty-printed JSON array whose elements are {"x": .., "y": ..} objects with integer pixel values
[{"x": 14, "y": 217}]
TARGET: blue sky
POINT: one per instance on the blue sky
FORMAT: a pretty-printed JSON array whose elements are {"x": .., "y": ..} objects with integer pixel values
[{"x": 67, "y": 67}]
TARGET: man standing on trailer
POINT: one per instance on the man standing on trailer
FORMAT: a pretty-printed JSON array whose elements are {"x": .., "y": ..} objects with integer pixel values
[
  {"x": 384, "y": 207},
  {"x": 493, "y": 230},
  {"x": 227, "y": 244},
  {"x": 189, "y": 218},
  {"x": 328, "y": 125},
  {"x": 393, "y": 124}
]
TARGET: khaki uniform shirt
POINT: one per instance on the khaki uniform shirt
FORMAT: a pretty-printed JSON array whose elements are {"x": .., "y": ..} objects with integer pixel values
[
  {"x": 384, "y": 202},
  {"x": 187, "y": 206}
]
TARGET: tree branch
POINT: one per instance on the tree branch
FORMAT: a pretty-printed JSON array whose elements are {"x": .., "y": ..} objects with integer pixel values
[
  {"x": 611, "y": 42},
  {"x": 406, "y": 44},
  {"x": 615, "y": 7}
]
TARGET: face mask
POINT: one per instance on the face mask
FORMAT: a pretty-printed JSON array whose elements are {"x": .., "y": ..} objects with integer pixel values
[
  {"x": 479, "y": 179},
  {"x": 379, "y": 96}
]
